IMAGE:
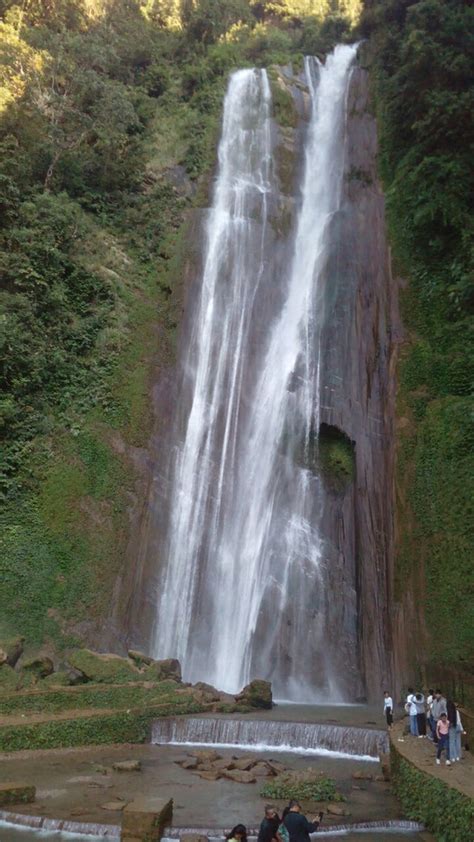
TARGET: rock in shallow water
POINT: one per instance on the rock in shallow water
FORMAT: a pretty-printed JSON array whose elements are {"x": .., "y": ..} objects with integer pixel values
[
  {"x": 127, "y": 766},
  {"x": 257, "y": 694},
  {"x": 113, "y": 806}
]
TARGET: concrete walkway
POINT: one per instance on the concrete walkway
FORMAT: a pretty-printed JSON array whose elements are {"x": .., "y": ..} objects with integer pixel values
[{"x": 422, "y": 753}]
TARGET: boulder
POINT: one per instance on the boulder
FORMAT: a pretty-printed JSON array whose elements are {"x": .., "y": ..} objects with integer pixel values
[
  {"x": 245, "y": 763},
  {"x": 139, "y": 658},
  {"x": 261, "y": 770},
  {"x": 227, "y": 699},
  {"x": 10, "y": 650},
  {"x": 206, "y": 755},
  {"x": 103, "y": 669},
  {"x": 206, "y": 692},
  {"x": 113, "y": 806},
  {"x": 189, "y": 763},
  {"x": 257, "y": 694},
  {"x": 170, "y": 668},
  {"x": 56, "y": 679},
  {"x": 8, "y": 679},
  {"x": 205, "y": 767},
  {"x": 127, "y": 766},
  {"x": 39, "y": 666},
  {"x": 16, "y": 793},
  {"x": 210, "y": 775},
  {"x": 224, "y": 763},
  {"x": 276, "y": 766},
  {"x": 75, "y": 677},
  {"x": 240, "y": 776}
]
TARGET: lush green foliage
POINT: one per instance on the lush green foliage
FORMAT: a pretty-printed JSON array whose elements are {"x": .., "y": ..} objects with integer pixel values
[
  {"x": 310, "y": 788},
  {"x": 442, "y": 809},
  {"x": 422, "y": 58},
  {"x": 101, "y": 101}
]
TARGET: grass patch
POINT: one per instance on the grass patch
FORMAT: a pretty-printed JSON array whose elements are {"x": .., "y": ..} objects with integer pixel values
[
  {"x": 302, "y": 786},
  {"x": 131, "y": 726}
]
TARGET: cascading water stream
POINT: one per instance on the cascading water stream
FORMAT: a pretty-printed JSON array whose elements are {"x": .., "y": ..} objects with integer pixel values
[{"x": 243, "y": 557}]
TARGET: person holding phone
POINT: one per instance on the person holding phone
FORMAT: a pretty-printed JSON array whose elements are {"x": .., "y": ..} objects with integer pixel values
[{"x": 297, "y": 825}]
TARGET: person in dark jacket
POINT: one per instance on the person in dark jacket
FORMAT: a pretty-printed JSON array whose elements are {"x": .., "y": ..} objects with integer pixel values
[
  {"x": 297, "y": 825},
  {"x": 269, "y": 825}
]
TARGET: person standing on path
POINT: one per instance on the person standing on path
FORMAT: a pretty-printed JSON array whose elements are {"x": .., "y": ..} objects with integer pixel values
[
  {"x": 388, "y": 709},
  {"x": 297, "y": 825},
  {"x": 442, "y": 732},
  {"x": 269, "y": 825},
  {"x": 420, "y": 714},
  {"x": 459, "y": 731},
  {"x": 431, "y": 722},
  {"x": 410, "y": 707},
  {"x": 453, "y": 721},
  {"x": 437, "y": 708}
]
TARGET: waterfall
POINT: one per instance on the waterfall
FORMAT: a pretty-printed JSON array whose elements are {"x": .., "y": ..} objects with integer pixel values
[
  {"x": 243, "y": 587},
  {"x": 263, "y": 735}
]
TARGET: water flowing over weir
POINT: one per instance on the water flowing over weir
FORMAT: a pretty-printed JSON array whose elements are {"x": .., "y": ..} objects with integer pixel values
[
  {"x": 243, "y": 553},
  {"x": 284, "y": 736}
]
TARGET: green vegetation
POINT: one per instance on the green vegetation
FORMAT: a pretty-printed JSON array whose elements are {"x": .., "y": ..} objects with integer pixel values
[
  {"x": 335, "y": 457},
  {"x": 50, "y": 700},
  {"x": 302, "y": 786},
  {"x": 421, "y": 55},
  {"x": 124, "y": 726},
  {"x": 443, "y": 810},
  {"x": 110, "y": 117}
]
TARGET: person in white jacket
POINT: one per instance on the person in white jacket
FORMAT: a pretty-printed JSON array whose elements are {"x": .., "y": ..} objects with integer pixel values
[
  {"x": 410, "y": 707},
  {"x": 388, "y": 709}
]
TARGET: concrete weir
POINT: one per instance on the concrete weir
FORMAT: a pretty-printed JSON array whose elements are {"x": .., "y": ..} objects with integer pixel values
[{"x": 283, "y": 736}]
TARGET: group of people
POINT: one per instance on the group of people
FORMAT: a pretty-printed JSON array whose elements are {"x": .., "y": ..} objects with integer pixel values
[
  {"x": 436, "y": 718},
  {"x": 293, "y": 826}
]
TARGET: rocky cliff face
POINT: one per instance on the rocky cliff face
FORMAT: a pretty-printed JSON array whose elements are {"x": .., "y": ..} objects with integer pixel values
[
  {"x": 358, "y": 344},
  {"x": 361, "y": 334}
]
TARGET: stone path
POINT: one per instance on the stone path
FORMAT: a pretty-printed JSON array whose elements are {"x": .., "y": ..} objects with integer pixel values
[{"x": 422, "y": 753}]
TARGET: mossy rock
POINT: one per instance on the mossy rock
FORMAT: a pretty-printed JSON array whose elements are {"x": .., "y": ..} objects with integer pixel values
[
  {"x": 284, "y": 107},
  {"x": 170, "y": 668},
  {"x": 56, "y": 679},
  {"x": 11, "y": 650},
  {"x": 257, "y": 694},
  {"x": 39, "y": 666},
  {"x": 8, "y": 679},
  {"x": 104, "y": 669}
]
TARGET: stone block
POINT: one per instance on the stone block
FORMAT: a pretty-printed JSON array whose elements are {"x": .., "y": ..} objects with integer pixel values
[
  {"x": 144, "y": 819},
  {"x": 16, "y": 793}
]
